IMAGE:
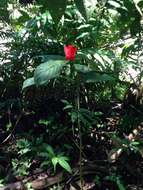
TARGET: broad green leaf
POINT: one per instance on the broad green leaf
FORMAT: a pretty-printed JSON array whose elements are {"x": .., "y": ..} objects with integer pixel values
[
  {"x": 93, "y": 76},
  {"x": 114, "y": 4},
  {"x": 54, "y": 162},
  {"x": 86, "y": 7},
  {"x": 50, "y": 151},
  {"x": 81, "y": 68},
  {"x": 28, "y": 82},
  {"x": 45, "y": 58},
  {"x": 49, "y": 70},
  {"x": 64, "y": 164}
]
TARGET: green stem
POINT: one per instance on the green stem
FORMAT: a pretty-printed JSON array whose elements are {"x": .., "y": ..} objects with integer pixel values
[
  {"x": 77, "y": 104},
  {"x": 80, "y": 134},
  {"x": 71, "y": 70}
]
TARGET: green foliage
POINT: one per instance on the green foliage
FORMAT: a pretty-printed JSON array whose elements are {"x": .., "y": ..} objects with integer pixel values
[
  {"x": 117, "y": 180},
  {"x": 47, "y": 71},
  {"x": 28, "y": 82},
  {"x": 96, "y": 77},
  {"x": 29, "y": 150},
  {"x": 86, "y": 7},
  {"x": 127, "y": 145},
  {"x": 21, "y": 167},
  {"x": 87, "y": 118},
  {"x": 61, "y": 101},
  {"x": 23, "y": 146},
  {"x": 57, "y": 10},
  {"x": 55, "y": 159},
  {"x": 4, "y": 14}
]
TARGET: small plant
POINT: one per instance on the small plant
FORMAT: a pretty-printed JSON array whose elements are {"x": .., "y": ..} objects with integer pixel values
[
  {"x": 117, "y": 180},
  {"x": 97, "y": 180},
  {"x": 29, "y": 186},
  {"x": 126, "y": 145},
  {"x": 1, "y": 183},
  {"x": 23, "y": 146},
  {"x": 51, "y": 157},
  {"x": 20, "y": 167}
]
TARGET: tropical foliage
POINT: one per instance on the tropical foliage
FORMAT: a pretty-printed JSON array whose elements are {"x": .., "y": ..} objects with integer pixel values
[{"x": 71, "y": 94}]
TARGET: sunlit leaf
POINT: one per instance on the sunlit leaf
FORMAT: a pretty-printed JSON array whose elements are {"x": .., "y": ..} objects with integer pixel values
[
  {"x": 64, "y": 164},
  {"x": 54, "y": 162},
  {"x": 28, "y": 82},
  {"x": 49, "y": 70}
]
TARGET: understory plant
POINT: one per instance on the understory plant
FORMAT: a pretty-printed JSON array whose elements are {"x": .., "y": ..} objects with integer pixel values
[{"x": 67, "y": 68}]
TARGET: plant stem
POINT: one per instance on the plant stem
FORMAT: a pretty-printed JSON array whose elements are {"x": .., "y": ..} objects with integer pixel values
[
  {"x": 80, "y": 134},
  {"x": 77, "y": 105}
]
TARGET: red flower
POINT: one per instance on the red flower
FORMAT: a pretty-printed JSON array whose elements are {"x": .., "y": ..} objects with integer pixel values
[{"x": 70, "y": 52}]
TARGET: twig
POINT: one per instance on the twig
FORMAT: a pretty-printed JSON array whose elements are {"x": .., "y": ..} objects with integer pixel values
[
  {"x": 80, "y": 134},
  {"x": 8, "y": 137}
]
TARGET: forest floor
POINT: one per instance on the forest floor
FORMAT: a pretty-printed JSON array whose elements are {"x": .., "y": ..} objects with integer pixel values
[{"x": 112, "y": 159}]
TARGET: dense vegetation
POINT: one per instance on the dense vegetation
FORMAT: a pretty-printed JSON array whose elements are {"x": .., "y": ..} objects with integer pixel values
[{"x": 71, "y": 94}]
